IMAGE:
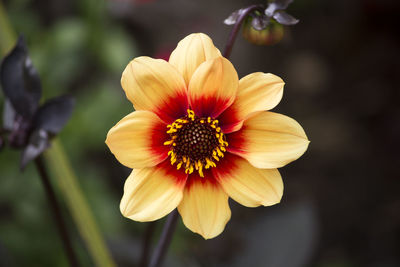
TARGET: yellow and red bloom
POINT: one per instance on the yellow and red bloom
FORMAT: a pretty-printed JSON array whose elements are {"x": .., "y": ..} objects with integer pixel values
[{"x": 200, "y": 135}]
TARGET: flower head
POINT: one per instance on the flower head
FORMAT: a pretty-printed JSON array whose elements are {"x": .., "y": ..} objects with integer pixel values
[{"x": 200, "y": 135}]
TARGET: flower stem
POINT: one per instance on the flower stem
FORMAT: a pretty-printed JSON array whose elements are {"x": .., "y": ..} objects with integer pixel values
[
  {"x": 56, "y": 211},
  {"x": 236, "y": 28},
  {"x": 148, "y": 235},
  {"x": 165, "y": 240},
  {"x": 60, "y": 167}
]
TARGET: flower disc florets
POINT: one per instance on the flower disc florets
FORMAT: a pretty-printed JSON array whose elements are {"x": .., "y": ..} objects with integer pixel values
[{"x": 196, "y": 143}]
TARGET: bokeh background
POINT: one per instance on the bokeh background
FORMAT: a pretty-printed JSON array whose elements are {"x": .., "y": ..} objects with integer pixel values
[{"x": 341, "y": 205}]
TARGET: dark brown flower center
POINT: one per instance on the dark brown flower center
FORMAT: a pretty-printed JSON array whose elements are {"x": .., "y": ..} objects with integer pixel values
[{"x": 196, "y": 143}]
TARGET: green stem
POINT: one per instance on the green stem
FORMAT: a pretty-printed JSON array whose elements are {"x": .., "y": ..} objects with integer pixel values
[
  {"x": 55, "y": 208},
  {"x": 76, "y": 202}
]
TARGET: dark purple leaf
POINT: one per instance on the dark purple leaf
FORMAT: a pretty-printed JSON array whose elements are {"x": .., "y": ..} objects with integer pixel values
[
  {"x": 19, "y": 133},
  {"x": 284, "y": 18},
  {"x": 232, "y": 19},
  {"x": 277, "y": 5},
  {"x": 20, "y": 81},
  {"x": 270, "y": 10},
  {"x": 54, "y": 114},
  {"x": 282, "y": 4},
  {"x": 8, "y": 115},
  {"x": 38, "y": 142}
]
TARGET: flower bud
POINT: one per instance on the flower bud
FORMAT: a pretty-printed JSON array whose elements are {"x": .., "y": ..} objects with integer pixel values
[{"x": 270, "y": 35}]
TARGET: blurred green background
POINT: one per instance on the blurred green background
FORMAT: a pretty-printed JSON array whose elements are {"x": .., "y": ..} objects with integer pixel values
[{"x": 340, "y": 63}]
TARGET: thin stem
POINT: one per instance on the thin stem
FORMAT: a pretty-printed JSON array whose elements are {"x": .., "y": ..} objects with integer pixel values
[
  {"x": 165, "y": 240},
  {"x": 51, "y": 197},
  {"x": 2, "y": 140},
  {"x": 65, "y": 178},
  {"x": 148, "y": 235},
  {"x": 236, "y": 28}
]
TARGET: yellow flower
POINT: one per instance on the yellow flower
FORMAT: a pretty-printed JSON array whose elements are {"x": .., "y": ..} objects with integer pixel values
[{"x": 200, "y": 135}]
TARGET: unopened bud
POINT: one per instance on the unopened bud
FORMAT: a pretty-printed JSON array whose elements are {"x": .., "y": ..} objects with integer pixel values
[{"x": 271, "y": 35}]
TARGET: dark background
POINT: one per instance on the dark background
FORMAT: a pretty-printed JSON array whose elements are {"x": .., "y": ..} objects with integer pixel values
[{"x": 341, "y": 205}]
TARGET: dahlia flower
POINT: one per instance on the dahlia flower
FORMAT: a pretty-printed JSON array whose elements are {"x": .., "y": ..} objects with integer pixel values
[{"x": 199, "y": 136}]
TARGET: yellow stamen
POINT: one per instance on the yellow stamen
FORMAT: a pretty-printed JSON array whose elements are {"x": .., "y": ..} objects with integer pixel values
[
  {"x": 178, "y": 145},
  {"x": 190, "y": 114},
  {"x": 215, "y": 156},
  {"x": 220, "y": 154},
  {"x": 168, "y": 142},
  {"x": 173, "y": 159},
  {"x": 201, "y": 170},
  {"x": 209, "y": 163},
  {"x": 179, "y": 165},
  {"x": 187, "y": 163}
]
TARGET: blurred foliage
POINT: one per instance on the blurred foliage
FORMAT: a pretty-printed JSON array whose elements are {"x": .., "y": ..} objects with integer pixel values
[
  {"x": 61, "y": 170},
  {"x": 83, "y": 55},
  {"x": 347, "y": 105}
]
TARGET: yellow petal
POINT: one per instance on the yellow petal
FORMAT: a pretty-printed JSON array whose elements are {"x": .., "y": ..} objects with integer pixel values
[
  {"x": 151, "y": 193},
  {"x": 157, "y": 86},
  {"x": 269, "y": 140},
  {"x": 204, "y": 207},
  {"x": 257, "y": 92},
  {"x": 193, "y": 50},
  {"x": 247, "y": 184},
  {"x": 213, "y": 87},
  {"x": 137, "y": 140}
]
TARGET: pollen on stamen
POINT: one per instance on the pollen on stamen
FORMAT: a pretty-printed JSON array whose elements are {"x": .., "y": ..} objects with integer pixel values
[{"x": 195, "y": 143}]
